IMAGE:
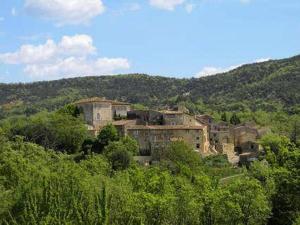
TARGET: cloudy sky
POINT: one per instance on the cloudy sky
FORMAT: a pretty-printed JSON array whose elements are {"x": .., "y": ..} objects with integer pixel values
[{"x": 53, "y": 39}]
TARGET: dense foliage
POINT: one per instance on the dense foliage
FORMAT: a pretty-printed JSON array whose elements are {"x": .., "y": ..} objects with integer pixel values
[
  {"x": 40, "y": 186},
  {"x": 267, "y": 86},
  {"x": 53, "y": 172}
]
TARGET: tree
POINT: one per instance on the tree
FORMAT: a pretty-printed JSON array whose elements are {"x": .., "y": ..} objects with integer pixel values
[
  {"x": 224, "y": 117},
  {"x": 295, "y": 133},
  {"x": 130, "y": 144},
  {"x": 120, "y": 159},
  {"x": 107, "y": 134},
  {"x": 180, "y": 157},
  {"x": 251, "y": 199},
  {"x": 57, "y": 131},
  {"x": 235, "y": 120},
  {"x": 70, "y": 109},
  {"x": 120, "y": 153}
]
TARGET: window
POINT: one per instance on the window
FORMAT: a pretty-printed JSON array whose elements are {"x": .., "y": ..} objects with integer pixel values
[
  {"x": 173, "y": 123},
  {"x": 197, "y": 138},
  {"x": 197, "y": 145},
  {"x": 98, "y": 116}
]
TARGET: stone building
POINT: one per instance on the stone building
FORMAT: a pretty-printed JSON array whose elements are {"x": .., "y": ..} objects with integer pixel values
[
  {"x": 99, "y": 112},
  {"x": 156, "y": 137},
  {"x": 245, "y": 139},
  {"x": 153, "y": 130},
  {"x": 177, "y": 118}
]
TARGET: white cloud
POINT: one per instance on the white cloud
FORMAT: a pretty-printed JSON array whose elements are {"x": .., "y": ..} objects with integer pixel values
[
  {"x": 166, "y": 4},
  {"x": 262, "y": 60},
  {"x": 78, "y": 45},
  {"x": 72, "y": 56},
  {"x": 13, "y": 12},
  {"x": 211, "y": 70},
  {"x": 72, "y": 67},
  {"x": 64, "y": 12},
  {"x": 30, "y": 54},
  {"x": 189, "y": 7}
]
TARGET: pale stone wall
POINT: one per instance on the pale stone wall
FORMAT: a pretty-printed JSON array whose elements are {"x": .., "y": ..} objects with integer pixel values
[
  {"x": 244, "y": 134},
  {"x": 87, "y": 113},
  {"x": 102, "y": 114},
  {"x": 190, "y": 120},
  {"x": 120, "y": 110},
  {"x": 151, "y": 139},
  {"x": 173, "y": 119},
  {"x": 179, "y": 119}
]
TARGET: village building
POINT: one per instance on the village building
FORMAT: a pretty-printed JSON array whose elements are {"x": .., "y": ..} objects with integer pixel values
[
  {"x": 99, "y": 112},
  {"x": 154, "y": 130}
]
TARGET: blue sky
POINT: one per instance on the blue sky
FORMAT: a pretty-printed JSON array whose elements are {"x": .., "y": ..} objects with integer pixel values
[{"x": 53, "y": 39}]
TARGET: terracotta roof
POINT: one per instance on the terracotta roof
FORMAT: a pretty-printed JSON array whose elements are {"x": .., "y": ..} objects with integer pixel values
[
  {"x": 162, "y": 127},
  {"x": 97, "y": 99}
]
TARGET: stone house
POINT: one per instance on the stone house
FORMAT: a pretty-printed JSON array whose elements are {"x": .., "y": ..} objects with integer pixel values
[
  {"x": 153, "y": 130},
  {"x": 245, "y": 139},
  {"x": 99, "y": 112},
  {"x": 154, "y": 138}
]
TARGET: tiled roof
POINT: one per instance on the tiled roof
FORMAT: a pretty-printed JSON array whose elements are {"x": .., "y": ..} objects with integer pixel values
[
  {"x": 162, "y": 127},
  {"x": 97, "y": 99}
]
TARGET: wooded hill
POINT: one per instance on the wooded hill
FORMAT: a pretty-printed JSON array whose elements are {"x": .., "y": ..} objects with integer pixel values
[{"x": 266, "y": 86}]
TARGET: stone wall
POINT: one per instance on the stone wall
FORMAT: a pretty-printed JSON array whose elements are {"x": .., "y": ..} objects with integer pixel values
[
  {"x": 120, "y": 110},
  {"x": 102, "y": 114},
  {"x": 150, "y": 140}
]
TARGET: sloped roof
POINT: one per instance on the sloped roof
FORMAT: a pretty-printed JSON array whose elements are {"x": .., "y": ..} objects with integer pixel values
[
  {"x": 98, "y": 99},
  {"x": 123, "y": 122},
  {"x": 162, "y": 127},
  {"x": 167, "y": 112}
]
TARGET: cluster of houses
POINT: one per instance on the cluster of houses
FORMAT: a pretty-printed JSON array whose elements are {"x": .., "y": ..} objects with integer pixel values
[{"x": 154, "y": 130}]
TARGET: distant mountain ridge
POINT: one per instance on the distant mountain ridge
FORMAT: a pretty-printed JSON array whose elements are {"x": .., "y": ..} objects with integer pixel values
[{"x": 254, "y": 85}]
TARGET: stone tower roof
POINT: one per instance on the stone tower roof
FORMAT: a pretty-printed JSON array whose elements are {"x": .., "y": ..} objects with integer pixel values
[{"x": 98, "y": 99}]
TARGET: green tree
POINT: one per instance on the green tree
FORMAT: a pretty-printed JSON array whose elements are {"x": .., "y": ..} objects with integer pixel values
[
  {"x": 70, "y": 109},
  {"x": 61, "y": 132},
  {"x": 107, "y": 134},
  {"x": 120, "y": 153},
  {"x": 235, "y": 120},
  {"x": 251, "y": 199},
  {"x": 179, "y": 157},
  {"x": 295, "y": 133},
  {"x": 224, "y": 117}
]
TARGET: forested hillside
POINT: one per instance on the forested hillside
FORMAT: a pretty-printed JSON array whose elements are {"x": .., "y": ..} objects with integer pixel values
[
  {"x": 53, "y": 172},
  {"x": 266, "y": 86}
]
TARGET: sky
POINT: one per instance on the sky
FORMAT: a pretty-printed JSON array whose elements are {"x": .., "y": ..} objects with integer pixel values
[{"x": 54, "y": 39}]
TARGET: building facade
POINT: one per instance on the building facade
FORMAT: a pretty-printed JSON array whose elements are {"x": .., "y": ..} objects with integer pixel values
[
  {"x": 155, "y": 130},
  {"x": 99, "y": 112}
]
